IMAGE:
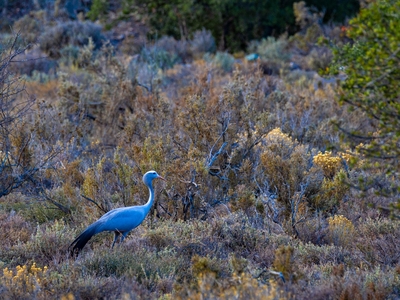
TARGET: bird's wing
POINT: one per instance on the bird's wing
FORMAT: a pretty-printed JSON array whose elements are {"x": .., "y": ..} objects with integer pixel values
[{"x": 121, "y": 219}]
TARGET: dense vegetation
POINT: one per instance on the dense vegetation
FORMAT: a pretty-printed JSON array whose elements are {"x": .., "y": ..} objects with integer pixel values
[
  {"x": 281, "y": 184},
  {"x": 233, "y": 23},
  {"x": 371, "y": 85}
]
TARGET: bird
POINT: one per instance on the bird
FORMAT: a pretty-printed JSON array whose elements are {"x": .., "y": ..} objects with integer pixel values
[{"x": 119, "y": 220}]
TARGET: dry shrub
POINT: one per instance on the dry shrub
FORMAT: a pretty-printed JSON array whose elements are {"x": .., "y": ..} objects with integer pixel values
[
  {"x": 90, "y": 185},
  {"x": 178, "y": 49},
  {"x": 331, "y": 193},
  {"x": 162, "y": 55},
  {"x": 202, "y": 42},
  {"x": 14, "y": 229},
  {"x": 306, "y": 42},
  {"x": 243, "y": 200},
  {"x": 284, "y": 263},
  {"x": 338, "y": 282},
  {"x": 288, "y": 173},
  {"x": 55, "y": 205},
  {"x": 311, "y": 255},
  {"x": 37, "y": 68},
  {"x": 72, "y": 174},
  {"x": 202, "y": 122},
  {"x": 211, "y": 137},
  {"x": 31, "y": 25},
  {"x": 284, "y": 163},
  {"x": 147, "y": 268},
  {"x": 239, "y": 286},
  {"x": 24, "y": 281},
  {"x": 75, "y": 33},
  {"x": 341, "y": 231},
  {"x": 238, "y": 264},
  {"x": 97, "y": 107},
  {"x": 236, "y": 233},
  {"x": 308, "y": 112},
  {"x": 133, "y": 43},
  {"x": 381, "y": 247},
  {"x": 320, "y": 58},
  {"x": 42, "y": 90},
  {"x": 47, "y": 245},
  {"x": 365, "y": 286},
  {"x": 329, "y": 164},
  {"x": 49, "y": 242},
  {"x": 206, "y": 266},
  {"x": 271, "y": 49},
  {"x": 224, "y": 61},
  {"x": 31, "y": 281},
  {"x": 313, "y": 229},
  {"x": 159, "y": 239},
  {"x": 218, "y": 237},
  {"x": 241, "y": 237}
]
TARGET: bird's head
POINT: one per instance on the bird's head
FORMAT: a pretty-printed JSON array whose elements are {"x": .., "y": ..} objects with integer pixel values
[{"x": 150, "y": 176}]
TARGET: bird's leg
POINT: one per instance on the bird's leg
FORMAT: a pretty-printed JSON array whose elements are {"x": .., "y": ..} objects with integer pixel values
[
  {"x": 123, "y": 236},
  {"x": 116, "y": 235}
]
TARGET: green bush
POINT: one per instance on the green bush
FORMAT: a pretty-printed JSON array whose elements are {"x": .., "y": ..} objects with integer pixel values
[
  {"x": 370, "y": 63},
  {"x": 271, "y": 49},
  {"x": 224, "y": 61},
  {"x": 98, "y": 10},
  {"x": 159, "y": 58}
]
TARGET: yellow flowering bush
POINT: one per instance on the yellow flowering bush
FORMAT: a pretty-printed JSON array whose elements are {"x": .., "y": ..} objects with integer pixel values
[
  {"x": 24, "y": 280},
  {"x": 347, "y": 156},
  {"x": 284, "y": 164},
  {"x": 341, "y": 230},
  {"x": 68, "y": 296},
  {"x": 328, "y": 163},
  {"x": 279, "y": 142},
  {"x": 285, "y": 170}
]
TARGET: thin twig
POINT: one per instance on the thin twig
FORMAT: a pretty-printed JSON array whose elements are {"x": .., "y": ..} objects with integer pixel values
[{"x": 94, "y": 202}]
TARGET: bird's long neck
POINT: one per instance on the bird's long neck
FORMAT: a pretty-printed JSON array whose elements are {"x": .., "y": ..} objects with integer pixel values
[{"x": 149, "y": 203}]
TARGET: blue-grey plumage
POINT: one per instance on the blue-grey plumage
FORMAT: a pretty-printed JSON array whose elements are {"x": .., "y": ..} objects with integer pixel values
[{"x": 120, "y": 220}]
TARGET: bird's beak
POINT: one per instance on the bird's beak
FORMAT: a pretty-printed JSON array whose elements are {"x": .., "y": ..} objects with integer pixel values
[{"x": 160, "y": 177}]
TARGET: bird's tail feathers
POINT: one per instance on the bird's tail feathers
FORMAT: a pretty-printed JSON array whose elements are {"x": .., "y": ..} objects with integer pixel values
[{"x": 80, "y": 242}]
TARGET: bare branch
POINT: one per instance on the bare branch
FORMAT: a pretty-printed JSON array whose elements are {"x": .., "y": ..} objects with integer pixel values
[
  {"x": 95, "y": 203},
  {"x": 212, "y": 158}
]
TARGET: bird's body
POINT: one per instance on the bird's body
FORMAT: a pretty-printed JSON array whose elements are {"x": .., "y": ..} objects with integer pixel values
[{"x": 120, "y": 220}]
